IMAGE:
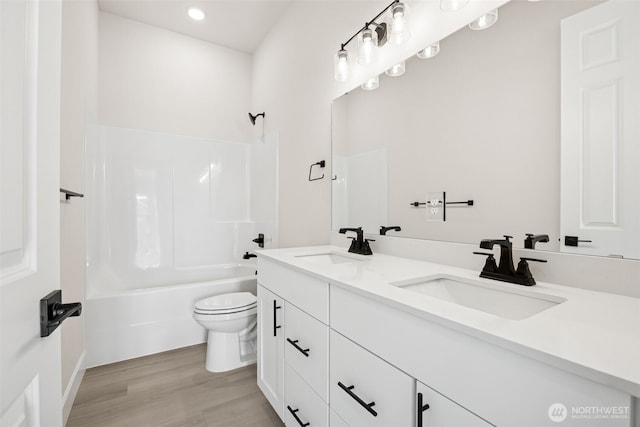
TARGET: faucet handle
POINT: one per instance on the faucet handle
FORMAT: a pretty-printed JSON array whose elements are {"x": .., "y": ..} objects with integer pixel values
[
  {"x": 533, "y": 259},
  {"x": 490, "y": 264},
  {"x": 507, "y": 237}
]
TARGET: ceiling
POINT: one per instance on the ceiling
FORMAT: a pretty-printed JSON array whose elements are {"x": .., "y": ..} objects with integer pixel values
[{"x": 236, "y": 24}]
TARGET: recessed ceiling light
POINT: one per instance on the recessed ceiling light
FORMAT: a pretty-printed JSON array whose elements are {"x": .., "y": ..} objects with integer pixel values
[{"x": 195, "y": 13}]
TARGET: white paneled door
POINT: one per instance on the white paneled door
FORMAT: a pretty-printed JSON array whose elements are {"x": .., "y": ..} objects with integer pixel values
[
  {"x": 601, "y": 130},
  {"x": 30, "y": 389}
]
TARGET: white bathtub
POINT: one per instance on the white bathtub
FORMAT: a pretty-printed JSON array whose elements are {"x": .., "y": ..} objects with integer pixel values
[{"x": 125, "y": 323}]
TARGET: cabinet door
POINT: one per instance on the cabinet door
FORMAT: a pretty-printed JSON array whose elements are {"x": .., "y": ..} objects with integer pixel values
[
  {"x": 367, "y": 391},
  {"x": 433, "y": 409},
  {"x": 271, "y": 348}
]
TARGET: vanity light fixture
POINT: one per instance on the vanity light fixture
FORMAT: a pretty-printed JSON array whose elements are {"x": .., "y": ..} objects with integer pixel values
[
  {"x": 485, "y": 21},
  {"x": 371, "y": 84},
  {"x": 371, "y": 36},
  {"x": 399, "y": 33},
  {"x": 453, "y": 5},
  {"x": 367, "y": 46},
  {"x": 195, "y": 13},
  {"x": 341, "y": 65},
  {"x": 396, "y": 70},
  {"x": 429, "y": 51}
]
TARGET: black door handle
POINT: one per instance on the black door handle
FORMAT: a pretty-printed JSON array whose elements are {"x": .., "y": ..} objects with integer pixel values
[
  {"x": 275, "y": 323},
  {"x": 293, "y": 412},
  {"x": 574, "y": 240},
  {"x": 53, "y": 312},
  {"x": 421, "y": 408},
  {"x": 367, "y": 406},
  {"x": 304, "y": 351}
]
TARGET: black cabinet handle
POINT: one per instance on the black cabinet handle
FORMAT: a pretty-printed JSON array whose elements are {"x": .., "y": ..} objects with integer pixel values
[
  {"x": 355, "y": 397},
  {"x": 304, "y": 351},
  {"x": 293, "y": 412},
  {"x": 275, "y": 324},
  {"x": 421, "y": 409}
]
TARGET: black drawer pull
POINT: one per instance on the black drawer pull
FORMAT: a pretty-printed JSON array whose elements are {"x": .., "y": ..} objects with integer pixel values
[
  {"x": 355, "y": 397},
  {"x": 304, "y": 351},
  {"x": 275, "y": 324},
  {"x": 293, "y": 412},
  {"x": 421, "y": 409}
]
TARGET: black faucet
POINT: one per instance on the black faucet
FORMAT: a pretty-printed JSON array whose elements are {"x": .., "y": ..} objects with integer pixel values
[
  {"x": 383, "y": 230},
  {"x": 247, "y": 255},
  {"x": 359, "y": 244},
  {"x": 531, "y": 240},
  {"x": 505, "y": 271}
]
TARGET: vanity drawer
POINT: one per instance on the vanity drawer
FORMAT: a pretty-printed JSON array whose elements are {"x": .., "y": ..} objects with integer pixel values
[
  {"x": 306, "y": 348},
  {"x": 367, "y": 391},
  {"x": 302, "y": 402},
  {"x": 440, "y": 411},
  {"x": 307, "y": 293}
]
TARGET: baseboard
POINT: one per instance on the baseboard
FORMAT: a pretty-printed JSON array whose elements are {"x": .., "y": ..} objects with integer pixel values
[{"x": 73, "y": 386}]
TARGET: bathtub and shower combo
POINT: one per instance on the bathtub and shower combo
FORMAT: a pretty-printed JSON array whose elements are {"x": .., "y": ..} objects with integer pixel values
[{"x": 168, "y": 219}]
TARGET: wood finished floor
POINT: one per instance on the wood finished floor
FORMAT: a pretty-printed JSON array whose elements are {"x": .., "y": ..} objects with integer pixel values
[{"x": 170, "y": 389}]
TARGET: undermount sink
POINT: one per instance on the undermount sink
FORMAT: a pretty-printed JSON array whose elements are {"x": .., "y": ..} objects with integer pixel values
[
  {"x": 329, "y": 258},
  {"x": 515, "y": 304}
]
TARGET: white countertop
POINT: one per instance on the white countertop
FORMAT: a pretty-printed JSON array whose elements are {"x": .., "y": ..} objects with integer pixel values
[{"x": 592, "y": 334}]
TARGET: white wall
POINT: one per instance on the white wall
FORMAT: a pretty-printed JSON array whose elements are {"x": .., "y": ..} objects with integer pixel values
[
  {"x": 293, "y": 83},
  {"x": 158, "y": 80},
  {"x": 78, "y": 111}
]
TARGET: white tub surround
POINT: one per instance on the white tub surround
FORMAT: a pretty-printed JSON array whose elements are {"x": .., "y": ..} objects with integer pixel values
[
  {"x": 169, "y": 218},
  {"x": 580, "y": 353}
]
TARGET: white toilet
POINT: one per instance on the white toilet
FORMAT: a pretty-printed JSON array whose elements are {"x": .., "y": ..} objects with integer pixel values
[{"x": 231, "y": 321}]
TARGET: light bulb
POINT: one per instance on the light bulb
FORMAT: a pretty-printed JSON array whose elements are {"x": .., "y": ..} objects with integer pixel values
[
  {"x": 452, "y": 5},
  {"x": 367, "y": 44},
  {"x": 429, "y": 51},
  {"x": 396, "y": 70},
  {"x": 341, "y": 65},
  {"x": 195, "y": 14},
  {"x": 371, "y": 84},
  {"x": 399, "y": 32},
  {"x": 485, "y": 21}
]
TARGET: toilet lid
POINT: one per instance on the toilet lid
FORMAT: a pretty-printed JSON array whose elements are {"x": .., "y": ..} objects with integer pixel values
[{"x": 226, "y": 302}]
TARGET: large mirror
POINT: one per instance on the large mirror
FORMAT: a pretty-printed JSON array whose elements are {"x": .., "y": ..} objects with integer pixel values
[{"x": 534, "y": 119}]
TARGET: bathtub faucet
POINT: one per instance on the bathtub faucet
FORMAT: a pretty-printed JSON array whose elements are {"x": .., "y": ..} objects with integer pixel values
[{"x": 247, "y": 255}]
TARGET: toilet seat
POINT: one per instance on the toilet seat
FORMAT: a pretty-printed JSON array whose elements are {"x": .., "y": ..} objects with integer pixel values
[{"x": 224, "y": 304}]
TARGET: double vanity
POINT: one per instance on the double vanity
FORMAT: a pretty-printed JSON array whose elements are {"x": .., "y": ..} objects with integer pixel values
[{"x": 352, "y": 340}]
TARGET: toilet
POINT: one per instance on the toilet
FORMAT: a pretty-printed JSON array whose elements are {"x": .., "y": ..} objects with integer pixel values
[{"x": 231, "y": 321}]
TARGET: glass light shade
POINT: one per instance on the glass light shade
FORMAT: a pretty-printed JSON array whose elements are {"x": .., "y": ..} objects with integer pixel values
[
  {"x": 429, "y": 51},
  {"x": 399, "y": 32},
  {"x": 396, "y": 70},
  {"x": 341, "y": 65},
  {"x": 453, "y": 5},
  {"x": 371, "y": 84},
  {"x": 195, "y": 14},
  {"x": 485, "y": 21},
  {"x": 367, "y": 45}
]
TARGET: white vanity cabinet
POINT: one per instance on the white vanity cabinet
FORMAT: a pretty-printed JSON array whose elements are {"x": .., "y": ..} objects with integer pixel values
[
  {"x": 332, "y": 354},
  {"x": 293, "y": 344},
  {"x": 499, "y": 386}
]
